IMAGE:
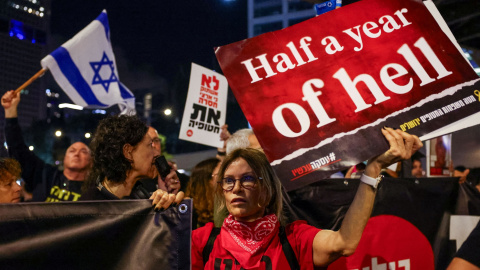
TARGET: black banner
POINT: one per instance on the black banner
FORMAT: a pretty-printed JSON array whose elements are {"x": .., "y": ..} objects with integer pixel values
[
  {"x": 422, "y": 206},
  {"x": 94, "y": 235}
]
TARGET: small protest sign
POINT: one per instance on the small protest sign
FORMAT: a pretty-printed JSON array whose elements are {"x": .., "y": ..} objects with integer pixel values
[{"x": 205, "y": 108}]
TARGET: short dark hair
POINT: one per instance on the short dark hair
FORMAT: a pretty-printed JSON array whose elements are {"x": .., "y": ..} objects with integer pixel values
[
  {"x": 107, "y": 144},
  {"x": 460, "y": 168}
]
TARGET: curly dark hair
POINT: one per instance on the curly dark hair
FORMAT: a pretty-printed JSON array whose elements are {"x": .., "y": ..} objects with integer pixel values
[
  {"x": 107, "y": 144},
  {"x": 10, "y": 166},
  {"x": 201, "y": 191}
]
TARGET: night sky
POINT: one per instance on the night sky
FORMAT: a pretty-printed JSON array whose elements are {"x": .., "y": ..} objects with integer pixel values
[
  {"x": 158, "y": 33},
  {"x": 155, "y": 43}
]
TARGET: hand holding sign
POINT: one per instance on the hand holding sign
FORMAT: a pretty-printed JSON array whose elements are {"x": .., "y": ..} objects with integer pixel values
[
  {"x": 333, "y": 81},
  {"x": 402, "y": 146}
]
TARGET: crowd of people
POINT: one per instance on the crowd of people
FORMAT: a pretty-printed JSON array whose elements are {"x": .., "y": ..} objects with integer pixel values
[{"x": 238, "y": 213}]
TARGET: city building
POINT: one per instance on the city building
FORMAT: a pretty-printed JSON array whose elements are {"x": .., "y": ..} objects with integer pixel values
[
  {"x": 24, "y": 27},
  {"x": 270, "y": 15}
]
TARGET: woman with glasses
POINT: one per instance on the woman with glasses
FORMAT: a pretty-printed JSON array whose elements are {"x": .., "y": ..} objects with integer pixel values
[{"x": 253, "y": 235}]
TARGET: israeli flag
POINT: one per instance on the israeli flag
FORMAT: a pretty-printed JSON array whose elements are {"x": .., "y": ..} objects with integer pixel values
[{"x": 85, "y": 69}]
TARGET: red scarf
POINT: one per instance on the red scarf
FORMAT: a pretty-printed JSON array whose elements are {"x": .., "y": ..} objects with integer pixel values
[{"x": 247, "y": 241}]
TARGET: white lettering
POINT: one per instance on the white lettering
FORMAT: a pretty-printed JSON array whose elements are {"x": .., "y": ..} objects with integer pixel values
[
  {"x": 333, "y": 45},
  {"x": 387, "y": 79},
  {"x": 311, "y": 97},
  {"x": 399, "y": 14},
  {"x": 282, "y": 60},
  {"x": 356, "y": 37},
  {"x": 352, "y": 90},
  {"x": 281, "y": 125},
  {"x": 390, "y": 25},
  {"x": 304, "y": 45},
  {"x": 265, "y": 65},
  {"x": 368, "y": 27},
  {"x": 415, "y": 64},
  {"x": 432, "y": 58},
  {"x": 295, "y": 53}
]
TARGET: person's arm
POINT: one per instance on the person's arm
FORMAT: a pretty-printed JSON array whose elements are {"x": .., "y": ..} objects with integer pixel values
[
  {"x": 330, "y": 245},
  {"x": 10, "y": 101},
  {"x": 461, "y": 264},
  {"x": 224, "y": 135},
  {"x": 32, "y": 166}
]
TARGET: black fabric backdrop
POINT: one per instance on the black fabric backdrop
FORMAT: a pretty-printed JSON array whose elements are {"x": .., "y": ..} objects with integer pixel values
[
  {"x": 94, "y": 235},
  {"x": 427, "y": 203},
  {"x": 130, "y": 235}
]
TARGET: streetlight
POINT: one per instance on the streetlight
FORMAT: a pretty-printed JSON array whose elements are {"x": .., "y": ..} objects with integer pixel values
[
  {"x": 70, "y": 106},
  {"x": 31, "y": 148},
  {"x": 167, "y": 112},
  {"x": 58, "y": 133},
  {"x": 88, "y": 135}
]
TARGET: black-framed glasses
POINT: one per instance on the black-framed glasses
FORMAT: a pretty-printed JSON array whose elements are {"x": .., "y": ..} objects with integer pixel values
[{"x": 247, "y": 182}]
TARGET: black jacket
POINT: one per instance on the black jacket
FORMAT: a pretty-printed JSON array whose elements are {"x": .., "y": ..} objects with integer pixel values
[{"x": 47, "y": 182}]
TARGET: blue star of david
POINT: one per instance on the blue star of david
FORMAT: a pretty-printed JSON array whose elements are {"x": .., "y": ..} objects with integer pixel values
[{"x": 97, "y": 66}]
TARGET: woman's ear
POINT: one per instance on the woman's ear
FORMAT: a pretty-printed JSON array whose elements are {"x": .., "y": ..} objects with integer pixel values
[{"x": 127, "y": 152}]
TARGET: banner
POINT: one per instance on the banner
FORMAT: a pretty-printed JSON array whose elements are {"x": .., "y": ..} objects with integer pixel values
[
  {"x": 85, "y": 69},
  {"x": 95, "y": 235},
  {"x": 410, "y": 223},
  {"x": 332, "y": 82},
  {"x": 205, "y": 108}
]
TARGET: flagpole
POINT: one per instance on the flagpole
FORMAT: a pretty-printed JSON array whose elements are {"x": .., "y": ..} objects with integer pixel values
[{"x": 32, "y": 79}]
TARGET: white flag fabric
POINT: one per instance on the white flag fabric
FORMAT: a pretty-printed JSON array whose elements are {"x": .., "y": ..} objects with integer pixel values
[{"x": 85, "y": 69}]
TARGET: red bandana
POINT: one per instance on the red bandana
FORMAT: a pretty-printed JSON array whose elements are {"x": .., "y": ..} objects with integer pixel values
[{"x": 247, "y": 241}]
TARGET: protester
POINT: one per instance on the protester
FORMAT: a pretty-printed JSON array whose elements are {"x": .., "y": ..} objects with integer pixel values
[
  {"x": 252, "y": 233},
  {"x": 124, "y": 153},
  {"x": 242, "y": 138},
  {"x": 356, "y": 171},
  {"x": 224, "y": 136},
  {"x": 10, "y": 190},
  {"x": 201, "y": 189},
  {"x": 417, "y": 170},
  {"x": 152, "y": 184},
  {"x": 47, "y": 182}
]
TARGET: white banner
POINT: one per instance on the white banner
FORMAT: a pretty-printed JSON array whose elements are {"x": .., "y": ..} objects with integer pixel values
[{"x": 205, "y": 108}]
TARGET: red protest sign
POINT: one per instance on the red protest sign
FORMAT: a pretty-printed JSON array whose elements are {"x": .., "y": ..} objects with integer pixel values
[{"x": 317, "y": 93}]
